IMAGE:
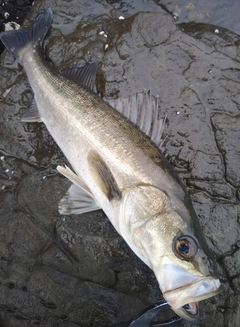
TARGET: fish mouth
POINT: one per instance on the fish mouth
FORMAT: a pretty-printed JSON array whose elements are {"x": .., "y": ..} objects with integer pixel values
[
  {"x": 183, "y": 289},
  {"x": 189, "y": 312},
  {"x": 192, "y": 293}
]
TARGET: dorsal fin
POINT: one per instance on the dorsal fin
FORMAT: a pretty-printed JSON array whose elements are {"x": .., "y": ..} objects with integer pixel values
[{"x": 143, "y": 110}]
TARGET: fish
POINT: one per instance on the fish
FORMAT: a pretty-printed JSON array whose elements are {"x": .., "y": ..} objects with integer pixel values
[{"x": 118, "y": 166}]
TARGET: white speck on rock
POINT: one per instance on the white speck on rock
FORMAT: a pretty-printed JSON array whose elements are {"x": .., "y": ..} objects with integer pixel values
[
  {"x": 6, "y": 92},
  {"x": 11, "y": 26}
]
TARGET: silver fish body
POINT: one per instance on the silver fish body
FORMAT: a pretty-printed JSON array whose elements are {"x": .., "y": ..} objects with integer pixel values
[{"x": 122, "y": 172}]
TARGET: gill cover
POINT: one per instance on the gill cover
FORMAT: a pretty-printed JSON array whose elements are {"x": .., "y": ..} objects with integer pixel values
[{"x": 145, "y": 218}]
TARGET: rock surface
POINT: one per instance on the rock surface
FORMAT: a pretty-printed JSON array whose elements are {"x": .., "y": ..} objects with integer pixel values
[{"x": 77, "y": 271}]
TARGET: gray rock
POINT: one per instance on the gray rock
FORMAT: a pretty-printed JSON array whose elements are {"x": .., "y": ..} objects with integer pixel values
[{"x": 77, "y": 271}]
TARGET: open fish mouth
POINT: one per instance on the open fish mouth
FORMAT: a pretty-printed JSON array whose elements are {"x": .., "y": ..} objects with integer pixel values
[
  {"x": 189, "y": 312},
  {"x": 183, "y": 290},
  {"x": 192, "y": 293},
  {"x": 184, "y": 301}
]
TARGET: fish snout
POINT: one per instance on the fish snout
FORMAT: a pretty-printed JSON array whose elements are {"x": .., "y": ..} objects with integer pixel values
[
  {"x": 182, "y": 289},
  {"x": 200, "y": 290}
]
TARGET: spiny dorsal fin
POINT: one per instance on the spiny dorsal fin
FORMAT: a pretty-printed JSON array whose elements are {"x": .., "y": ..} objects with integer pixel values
[
  {"x": 82, "y": 75},
  {"x": 102, "y": 176},
  {"x": 143, "y": 110}
]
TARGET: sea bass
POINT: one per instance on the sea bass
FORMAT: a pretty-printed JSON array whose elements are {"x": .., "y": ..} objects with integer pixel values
[{"x": 119, "y": 169}]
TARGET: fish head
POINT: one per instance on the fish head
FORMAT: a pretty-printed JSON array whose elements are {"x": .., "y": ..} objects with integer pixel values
[
  {"x": 165, "y": 241},
  {"x": 185, "y": 276}
]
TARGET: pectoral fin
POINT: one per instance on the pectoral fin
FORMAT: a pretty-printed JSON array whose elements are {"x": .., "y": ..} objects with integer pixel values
[
  {"x": 102, "y": 176},
  {"x": 78, "y": 198}
]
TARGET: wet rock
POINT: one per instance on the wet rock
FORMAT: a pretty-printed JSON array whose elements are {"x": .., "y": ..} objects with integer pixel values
[
  {"x": 236, "y": 282},
  {"x": 227, "y": 136},
  {"x": 77, "y": 271},
  {"x": 218, "y": 221},
  {"x": 207, "y": 166},
  {"x": 233, "y": 311},
  {"x": 213, "y": 188},
  {"x": 137, "y": 284},
  {"x": 232, "y": 267},
  {"x": 205, "y": 12}
]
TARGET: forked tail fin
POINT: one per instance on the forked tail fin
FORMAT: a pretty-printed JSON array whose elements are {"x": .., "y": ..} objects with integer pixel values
[{"x": 15, "y": 41}]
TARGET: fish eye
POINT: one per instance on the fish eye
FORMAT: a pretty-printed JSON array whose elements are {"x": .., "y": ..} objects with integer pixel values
[{"x": 185, "y": 246}]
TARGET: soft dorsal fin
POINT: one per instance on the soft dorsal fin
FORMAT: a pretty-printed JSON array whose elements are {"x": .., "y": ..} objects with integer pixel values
[
  {"x": 78, "y": 198},
  {"x": 143, "y": 110},
  {"x": 82, "y": 75},
  {"x": 102, "y": 176}
]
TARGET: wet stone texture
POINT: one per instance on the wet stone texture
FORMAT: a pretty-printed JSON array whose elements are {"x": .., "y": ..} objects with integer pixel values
[{"x": 77, "y": 271}]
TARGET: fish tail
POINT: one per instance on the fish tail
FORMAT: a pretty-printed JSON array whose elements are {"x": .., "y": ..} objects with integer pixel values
[{"x": 15, "y": 41}]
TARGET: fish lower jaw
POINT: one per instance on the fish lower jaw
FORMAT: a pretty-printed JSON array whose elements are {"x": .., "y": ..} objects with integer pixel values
[
  {"x": 189, "y": 312},
  {"x": 192, "y": 293}
]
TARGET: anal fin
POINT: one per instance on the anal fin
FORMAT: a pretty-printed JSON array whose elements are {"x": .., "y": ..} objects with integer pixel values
[
  {"x": 31, "y": 115},
  {"x": 78, "y": 198}
]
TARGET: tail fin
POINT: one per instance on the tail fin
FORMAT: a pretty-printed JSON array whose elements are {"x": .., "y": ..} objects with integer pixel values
[{"x": 15, "y": 41}]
